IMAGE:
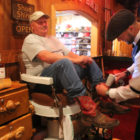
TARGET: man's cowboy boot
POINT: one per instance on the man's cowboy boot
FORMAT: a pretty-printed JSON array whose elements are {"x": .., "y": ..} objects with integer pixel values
[{"x": 94, "y": 117}]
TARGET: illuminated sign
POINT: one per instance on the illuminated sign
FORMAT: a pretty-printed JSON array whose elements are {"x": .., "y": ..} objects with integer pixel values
[
  {"x": 21, "y": 29},
  {"x": 21, "y": 11}
]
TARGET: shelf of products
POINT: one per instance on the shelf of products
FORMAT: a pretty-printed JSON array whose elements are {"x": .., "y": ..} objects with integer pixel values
[{"x": 78, "y": 41}]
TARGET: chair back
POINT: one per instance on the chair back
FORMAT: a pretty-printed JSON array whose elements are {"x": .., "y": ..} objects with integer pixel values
[{"x": 21, "y": 63}]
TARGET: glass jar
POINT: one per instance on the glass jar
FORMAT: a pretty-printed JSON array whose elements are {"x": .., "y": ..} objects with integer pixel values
[{"x": 2, "y": 68}]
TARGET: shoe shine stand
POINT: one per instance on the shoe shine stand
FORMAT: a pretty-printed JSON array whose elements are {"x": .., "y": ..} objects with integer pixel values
[
  {"x": 103, "y": 133},
  {"x": 107, "y": 133},
  {"x": 54, "y": 131}
]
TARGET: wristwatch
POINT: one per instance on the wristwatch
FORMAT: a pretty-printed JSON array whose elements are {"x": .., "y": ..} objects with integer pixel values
[
  {"x": 107, "y": 93},
  {"x": 127, "y": 73}
]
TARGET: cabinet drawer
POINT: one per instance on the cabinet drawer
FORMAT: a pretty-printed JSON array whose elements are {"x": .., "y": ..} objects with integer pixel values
[
  {"x": 18, "y": 129},
  {"x": 13, "y": 105}
]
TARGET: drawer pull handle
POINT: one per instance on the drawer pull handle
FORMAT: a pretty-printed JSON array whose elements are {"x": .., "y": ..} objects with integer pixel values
[
  {"x": 19, "y": 133},
  {"x": 11, "y": 105},
  {"x": 3, "y": 109},
  {"x": 31, "y": 108},
  {"x": 14, "y": 135}
]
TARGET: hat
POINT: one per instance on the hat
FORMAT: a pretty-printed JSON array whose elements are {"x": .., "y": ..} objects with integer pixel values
[
  {"x": 36, "y": 15},
  {"x": 119, "y": 23},
  {"x": 134, "y": 84}
]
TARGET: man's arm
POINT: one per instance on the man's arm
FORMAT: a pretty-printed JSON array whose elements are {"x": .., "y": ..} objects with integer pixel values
[
  {"x": 84, "y": 59},
  {"x": 124, "y": 74},
  {"x": 119, "y": 94},
  {"x": 50, "y": 58}
]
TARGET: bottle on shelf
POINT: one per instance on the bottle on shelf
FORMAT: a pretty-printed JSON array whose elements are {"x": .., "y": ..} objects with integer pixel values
[
  {"x": 2, "y": 68},
  {"x": 78, "y": 40}
]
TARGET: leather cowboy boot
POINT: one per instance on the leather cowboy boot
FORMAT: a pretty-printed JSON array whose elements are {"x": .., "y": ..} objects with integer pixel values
[{"x": 93, "y": 116}]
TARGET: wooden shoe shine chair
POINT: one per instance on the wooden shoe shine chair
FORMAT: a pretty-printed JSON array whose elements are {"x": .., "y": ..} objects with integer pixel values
[{"x": 63, "y": 121}]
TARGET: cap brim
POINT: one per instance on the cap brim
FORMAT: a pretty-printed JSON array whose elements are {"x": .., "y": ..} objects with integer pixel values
[
  {"x": 38, "y": 17},
  {"x": 46, "y": 16},
  {"x": 111, "y": 36}
]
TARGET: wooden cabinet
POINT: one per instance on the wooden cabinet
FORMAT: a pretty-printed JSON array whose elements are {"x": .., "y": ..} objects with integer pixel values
[{"x": 15, "y": 118}]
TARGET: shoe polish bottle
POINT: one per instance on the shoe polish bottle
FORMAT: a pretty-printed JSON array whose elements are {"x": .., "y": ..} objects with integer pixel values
[
  {"x": 2, "y": 68},
  {"x": 110, "y": 80}
]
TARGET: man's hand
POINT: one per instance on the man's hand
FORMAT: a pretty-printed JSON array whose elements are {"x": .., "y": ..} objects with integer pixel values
[
  {"x": 80, "y": 60},
  {"x": 119, "y": 76},
  {"x": 85, "y": 60},
  {"x": 102, "y": 89}
]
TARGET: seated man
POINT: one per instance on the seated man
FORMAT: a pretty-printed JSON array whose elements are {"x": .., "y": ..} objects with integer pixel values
[{"x": 44, "y": 55}]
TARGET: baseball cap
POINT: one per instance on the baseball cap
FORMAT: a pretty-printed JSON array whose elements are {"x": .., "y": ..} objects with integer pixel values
[
  {"x": 36, "y": 15},
  {"x": 118, "y": 23},
  {"x": 134, "y": 84}
]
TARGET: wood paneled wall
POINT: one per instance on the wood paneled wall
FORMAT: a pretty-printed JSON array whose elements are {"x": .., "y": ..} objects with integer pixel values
[
  {"x": 9, "y": 44},
  {"x": 7, "y": 40}
]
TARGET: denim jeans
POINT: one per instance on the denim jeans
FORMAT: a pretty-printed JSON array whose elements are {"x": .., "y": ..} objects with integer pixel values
[{"x": 68, "y": 76}]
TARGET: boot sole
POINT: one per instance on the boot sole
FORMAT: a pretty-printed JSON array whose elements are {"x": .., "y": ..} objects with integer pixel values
[
  {"x": 92, "y": 123},
  {"x": 107, "y": 111},
  {"x": 106, "y": 126}
]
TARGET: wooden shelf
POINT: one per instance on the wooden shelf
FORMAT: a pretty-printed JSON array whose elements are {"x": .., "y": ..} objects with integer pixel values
[{"x": 118, "y": 58}]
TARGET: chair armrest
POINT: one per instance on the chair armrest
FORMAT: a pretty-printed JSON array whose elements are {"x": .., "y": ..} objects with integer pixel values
[{"x": 36, "y": 79}]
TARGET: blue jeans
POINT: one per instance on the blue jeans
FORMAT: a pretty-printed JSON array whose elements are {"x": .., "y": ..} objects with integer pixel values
[{"x": 68, "y": 76}]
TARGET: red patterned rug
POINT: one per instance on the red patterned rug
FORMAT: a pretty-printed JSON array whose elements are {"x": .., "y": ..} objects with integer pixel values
[{"x": 126, "y": 129}]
